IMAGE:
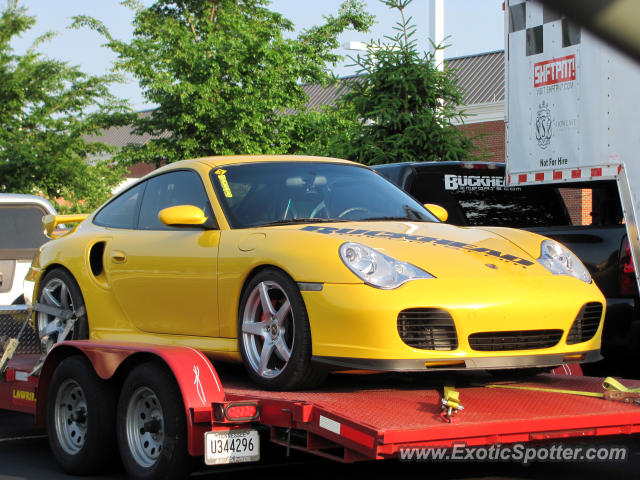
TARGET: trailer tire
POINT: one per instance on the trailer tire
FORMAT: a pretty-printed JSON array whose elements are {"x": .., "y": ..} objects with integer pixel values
[
  {"x": 81, "y": 418},
  {"x": 151, "y": 425}
]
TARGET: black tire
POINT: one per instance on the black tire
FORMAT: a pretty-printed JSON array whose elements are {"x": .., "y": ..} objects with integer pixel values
[
  {"x": 57, "y": 282},
  {"x": 150, "y": 399},
  {"x": 81, "y": 418},
  {"x": 277, "y": 372}
]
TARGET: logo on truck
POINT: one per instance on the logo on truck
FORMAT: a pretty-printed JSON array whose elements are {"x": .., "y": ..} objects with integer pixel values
[
  {"x": 543, "y": 125},
  {"x": 557, "y": 70}
]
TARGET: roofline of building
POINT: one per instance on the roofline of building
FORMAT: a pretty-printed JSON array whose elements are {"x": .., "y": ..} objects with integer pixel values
[{"x": 475, "y": 55}]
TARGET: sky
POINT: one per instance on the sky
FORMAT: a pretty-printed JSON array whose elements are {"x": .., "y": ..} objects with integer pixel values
[{"x": 473, "y": 26}]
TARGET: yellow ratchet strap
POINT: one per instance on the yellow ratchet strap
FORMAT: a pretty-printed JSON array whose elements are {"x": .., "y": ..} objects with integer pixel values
[
  {"x": 450, "y": 405},
  {"x": 614, "y": 390},
  {"x": 451, "y": 398}
]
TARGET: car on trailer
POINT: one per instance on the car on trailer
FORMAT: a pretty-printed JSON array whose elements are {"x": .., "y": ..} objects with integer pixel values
[{"x": 293, "y": 265}]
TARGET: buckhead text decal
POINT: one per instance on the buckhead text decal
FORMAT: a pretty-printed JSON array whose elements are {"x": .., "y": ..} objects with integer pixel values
[{"x": 420, "y": 239}]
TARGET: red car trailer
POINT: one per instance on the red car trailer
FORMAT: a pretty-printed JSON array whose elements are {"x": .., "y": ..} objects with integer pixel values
[{"x": 215, "y": 414}]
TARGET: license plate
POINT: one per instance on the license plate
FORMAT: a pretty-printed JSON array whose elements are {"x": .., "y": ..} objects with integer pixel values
[{"x": 231, "y": 446}]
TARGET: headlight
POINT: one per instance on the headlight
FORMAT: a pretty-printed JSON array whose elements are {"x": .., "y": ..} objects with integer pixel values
[
  {"x": 559, "y": 260},
  {"x": 376, "y": 269}
]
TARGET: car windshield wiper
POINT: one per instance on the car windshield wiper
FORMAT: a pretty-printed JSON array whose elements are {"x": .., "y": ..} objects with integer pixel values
[{"x": 301, "y": 220}]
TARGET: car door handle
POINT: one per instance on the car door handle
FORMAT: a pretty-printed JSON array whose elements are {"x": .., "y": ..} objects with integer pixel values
[{"x": 118, "y": 257}]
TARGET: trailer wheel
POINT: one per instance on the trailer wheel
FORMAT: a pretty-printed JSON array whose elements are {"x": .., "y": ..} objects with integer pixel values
[
  {"x": 80, "y": 418},
  {"x": 59, "y": 289},
  {"x": 274, "y": 334},
  {"x": 151, "y": 423}
]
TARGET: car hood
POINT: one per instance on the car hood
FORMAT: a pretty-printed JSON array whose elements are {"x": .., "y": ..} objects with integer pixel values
[{"x": 443, "y": 250}]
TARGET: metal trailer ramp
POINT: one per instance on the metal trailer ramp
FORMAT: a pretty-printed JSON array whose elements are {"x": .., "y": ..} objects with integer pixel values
[{"x": 368, "y": 419}]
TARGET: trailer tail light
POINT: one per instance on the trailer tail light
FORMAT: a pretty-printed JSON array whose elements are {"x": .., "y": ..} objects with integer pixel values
[
  {"x": 626, "y": 271},
  {"x": 241, "y": 412},
  {"x": 236, "y": 412}
]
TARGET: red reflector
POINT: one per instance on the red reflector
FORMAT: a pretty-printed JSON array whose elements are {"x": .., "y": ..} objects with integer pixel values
[
  {"x": 522, "y": 177},
  {"x": 557, "y": 175},
  {"x": 242, "y": 412},
  {"x": 596, "y": 172},
  {"x": 576, "y": 173},
  {"x": 539, "y": 177},
  {"x": 626, "y": 273}
]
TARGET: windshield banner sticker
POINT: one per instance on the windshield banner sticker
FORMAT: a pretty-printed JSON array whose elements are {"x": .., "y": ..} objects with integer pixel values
[
  {"x": 222, "y": 178},
  {"x": 421, "y": 239}
]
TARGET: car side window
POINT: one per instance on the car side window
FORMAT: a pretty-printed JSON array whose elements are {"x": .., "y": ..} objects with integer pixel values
[
  {"x": 183, "y": 187},
  {"x": 122, "y": 211}
]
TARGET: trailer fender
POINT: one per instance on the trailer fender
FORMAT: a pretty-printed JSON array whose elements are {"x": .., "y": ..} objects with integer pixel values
[{"x": 196, "y": 377}]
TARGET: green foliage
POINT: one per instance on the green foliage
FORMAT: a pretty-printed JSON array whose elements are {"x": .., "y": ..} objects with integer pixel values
[
  {"x": 47, "y": 108},
  {"x": 223, "y": 75},
  {"x": 404, "y": 104}
]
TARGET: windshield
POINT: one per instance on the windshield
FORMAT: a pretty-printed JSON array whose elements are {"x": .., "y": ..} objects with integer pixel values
[{"x": 295, "y": 192}]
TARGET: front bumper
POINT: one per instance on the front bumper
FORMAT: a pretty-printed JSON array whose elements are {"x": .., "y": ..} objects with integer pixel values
[
  {"x": 483, "y": 363},
  {"x": 353, "y": 322}
]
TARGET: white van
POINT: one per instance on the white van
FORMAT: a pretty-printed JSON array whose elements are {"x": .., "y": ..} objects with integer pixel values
[{"x": 21, "y": 234}]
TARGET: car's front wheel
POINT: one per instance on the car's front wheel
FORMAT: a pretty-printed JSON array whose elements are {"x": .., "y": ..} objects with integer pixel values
[{"x": 274, "y": 333}]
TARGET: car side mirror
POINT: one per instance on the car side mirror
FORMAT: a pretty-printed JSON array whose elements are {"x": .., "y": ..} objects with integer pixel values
[
  {"x": 182, "y": 216},
  {"x": 440, "y": 212}
]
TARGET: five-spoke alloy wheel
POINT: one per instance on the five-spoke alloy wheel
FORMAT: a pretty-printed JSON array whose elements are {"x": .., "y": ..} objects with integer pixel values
[{"x": 274, "y": 333}]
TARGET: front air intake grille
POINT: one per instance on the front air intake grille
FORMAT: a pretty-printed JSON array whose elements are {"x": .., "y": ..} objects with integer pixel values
[
  {"x": 427, "y": 329},
  {"x": 586, "y": 323},
  {"x": 516, "y": 340}
]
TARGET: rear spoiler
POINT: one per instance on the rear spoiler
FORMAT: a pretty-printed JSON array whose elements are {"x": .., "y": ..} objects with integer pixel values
[{"x": 50, "y": 222}]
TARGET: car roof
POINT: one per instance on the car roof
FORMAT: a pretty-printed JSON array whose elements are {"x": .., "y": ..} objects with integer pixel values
[{"x": 219, "y": 161}]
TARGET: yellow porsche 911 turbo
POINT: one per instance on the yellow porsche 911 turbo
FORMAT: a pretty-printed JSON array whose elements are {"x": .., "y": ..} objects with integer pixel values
[{"x": 302, "y": 265}]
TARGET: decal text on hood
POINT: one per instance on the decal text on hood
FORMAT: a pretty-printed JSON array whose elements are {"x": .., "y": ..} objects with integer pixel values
[{"x": 421, "y": 239}]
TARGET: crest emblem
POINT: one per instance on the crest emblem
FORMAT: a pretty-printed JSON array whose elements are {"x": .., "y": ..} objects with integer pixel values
[{"x": 543, "y": 125}]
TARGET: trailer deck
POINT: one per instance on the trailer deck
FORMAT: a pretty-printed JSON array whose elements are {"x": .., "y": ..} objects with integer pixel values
[{"x": 375, "y": 417}]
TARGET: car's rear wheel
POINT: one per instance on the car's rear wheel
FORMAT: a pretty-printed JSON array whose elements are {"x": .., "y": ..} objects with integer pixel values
[
  {"x": 59, "y": 290},
  {"x": 274, "y": 333}
]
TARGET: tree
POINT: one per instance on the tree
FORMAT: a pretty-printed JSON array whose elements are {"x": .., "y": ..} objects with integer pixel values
[
  {"x": 405, "y": 106},
  {"x": 223, "y": 75},
  {"x": 47, "y": 108}
]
